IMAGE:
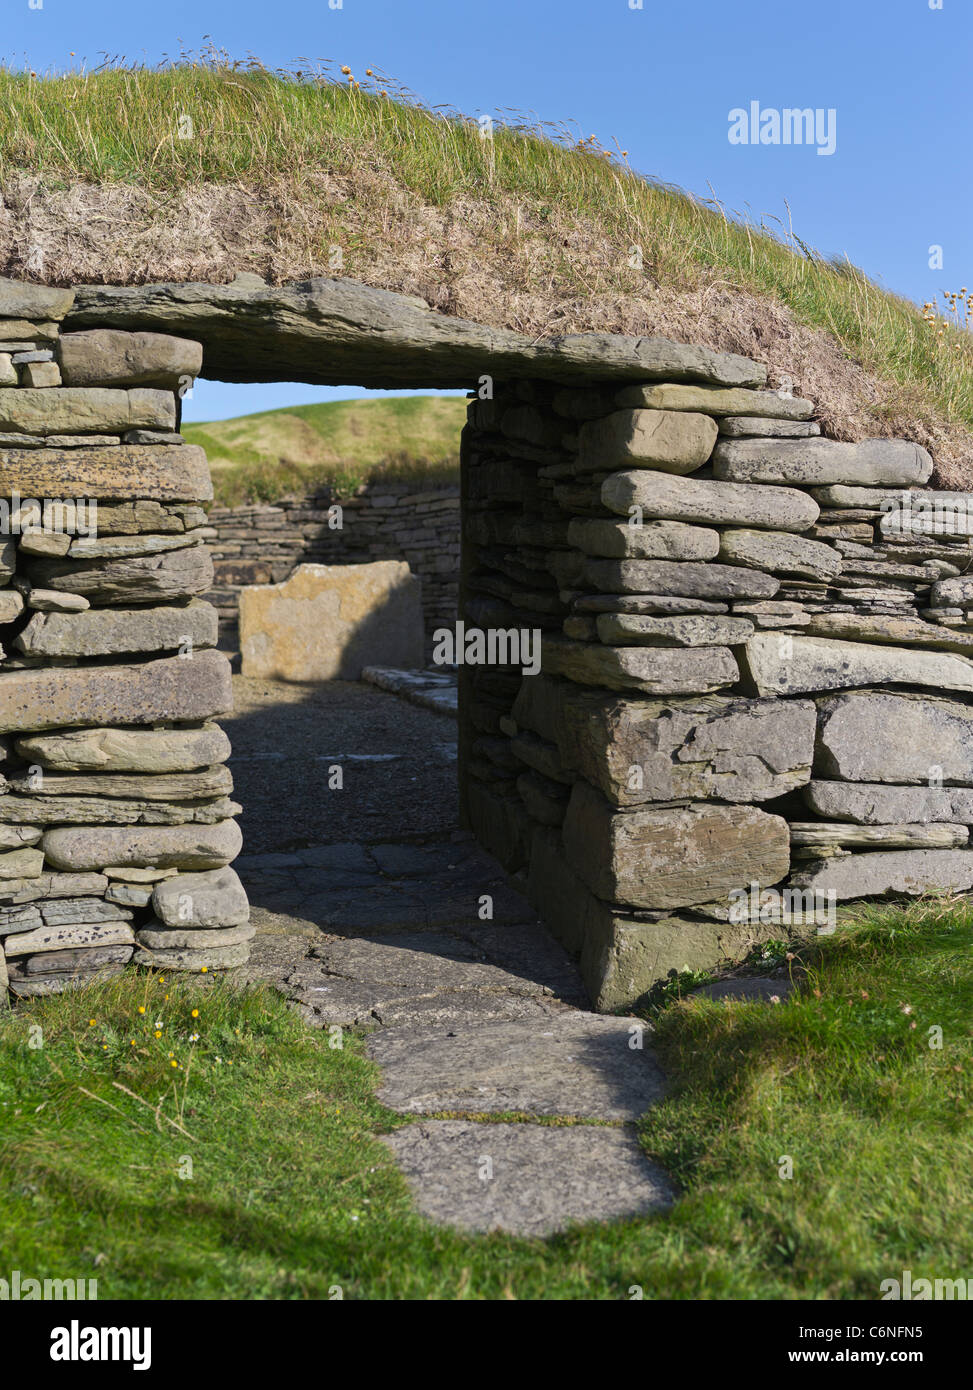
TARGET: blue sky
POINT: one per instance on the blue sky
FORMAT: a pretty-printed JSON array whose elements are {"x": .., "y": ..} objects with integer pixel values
[{"x": 661, "y": 78}]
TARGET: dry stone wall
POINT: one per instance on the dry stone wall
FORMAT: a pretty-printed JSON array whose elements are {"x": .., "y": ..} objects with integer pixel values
[
  {"x": 263, "y": 544},
  {"x": 754, "y": 698},
  {"x": 117, "y": 825}
]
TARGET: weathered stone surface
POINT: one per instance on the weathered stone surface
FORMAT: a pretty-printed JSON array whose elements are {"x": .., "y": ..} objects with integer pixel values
[
  {"x": 745, "y": 426},
  {"x": 689, "y": 580},
  {"x": 543, "y": 1179},
  {"x": 61, "y": 938},
  {"x": 19, "y": 329},
  {"x": 160, "y": 472},
  {"x": 901, "y": 836},
  {"x": 170, "y": 688},
  {"x": 671, "y": 857},
  {"x": 131, "y": 518},
  {"x": 949, "y": 593},
  {"x": 50, "y": 601},
  {"x": 780, "y": 553},
  {"x": 718, "y": 746},
  {"x": 209, "y": 958},
  {"x": 21, "y": 863},
  {"x": 44, "y": 543},
  {"x": 693, "y": 630},
  {"x": 878, "y": 736},
  {"x": 138, "y": 579},
  {"x": 579, "y": 1065},
  {"x": 8, "y": 372},
  {"x": 655, "y": 670},
  {"x": 70, "y": 411},
  {"x": 16, "y": 836},
  {"x": 654, "y": 540},
  {"x": 813, "y": 462},
  {"x": 701, "y": 499},
  {"x": 56, "y": 982},
  {"x": 127, "y": 750},
  {"x": 107, "y": 631},
  {"x": 168, "y": 786},
  {"x": 889, "y": 628},
  {"x": 669, "y": 440},
  {"x": 327, "y": 622},
  {"x": 59, "y": 912},
  {"x": 19, "y": 299},
  {"x": 646, "y": 603},
  {"x": 108, "y": 357},
  {"x": 99, "y": 810},
  {"x": 11, "y": 605},
  {"x": 871, "y": 803},
  {"x": 122, "y": 547},
  {"x": 908, "y": 872},
  {"x": 36, "y": 374},
  {"x": 52, "y": 886},
  {"x": 157, "y": 937},
  {"x": 715, "y": 400},
  {"x": 80, "y": 959},
  {"x": 795, "y": 665},
  {"x": 214, "y": 899},
  {"x": 187, "y": 847},
  {"x": 335, "y": 331},
  {"x": 129, "y": 894}
]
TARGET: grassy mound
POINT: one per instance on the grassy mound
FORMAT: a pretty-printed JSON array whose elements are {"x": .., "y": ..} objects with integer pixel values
[
  {"x": 213, "y": 166},
  {"x": 336, "y": 444},
  {"x": 234, "y": 1153}
]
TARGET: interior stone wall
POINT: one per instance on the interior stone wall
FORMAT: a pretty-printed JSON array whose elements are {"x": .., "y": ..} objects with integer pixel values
[
  {"x": 116, "y": 823},
  {"x": 754, "y": 699}
]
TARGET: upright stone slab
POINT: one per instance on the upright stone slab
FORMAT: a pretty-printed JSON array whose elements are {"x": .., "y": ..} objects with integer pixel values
[{"x": 327, "y": 622}]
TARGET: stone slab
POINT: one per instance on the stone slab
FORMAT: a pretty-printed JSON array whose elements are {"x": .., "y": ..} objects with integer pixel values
[
  {"x": 113, "y": 631},
  {"x": 656, "y": 670},
  {"x": 161, "y": 473},
  {"x": 715, "y": 400},
  {"x": 708, "y": 501},
  {"x": 167, "y": 689},
  {"x": 795, "y": 665},
  {"x": 579, "y": 1065},
  {"x": 76, "y": 411},
  {"x": 654, "y": 540},
  {"x": 873, "y": 803},
  {"x": 896, "y": 873},
  {"x": 881, "y": 736},
  {"x": 188, "y": 847},
  {"x": 817, "y": 462},
  {"x": 109, "y": 357},
  {"x": 327, "y": 622},
  {"x": 156, "y": 751},
  {"x": 672, "y": 441},
  {"x": 541, "y": 1180}
]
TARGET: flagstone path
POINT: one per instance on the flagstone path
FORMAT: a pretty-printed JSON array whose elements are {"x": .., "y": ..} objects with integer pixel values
[{"x": 374, "y": 912}]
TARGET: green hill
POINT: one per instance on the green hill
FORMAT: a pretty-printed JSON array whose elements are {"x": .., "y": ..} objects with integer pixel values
[{"x": 265, "y": 456}]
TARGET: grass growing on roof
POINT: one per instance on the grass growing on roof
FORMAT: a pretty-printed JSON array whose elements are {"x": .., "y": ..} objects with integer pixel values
[
  {"x": 206, "y": 119},
  {"x": 292, "y": 1194}
]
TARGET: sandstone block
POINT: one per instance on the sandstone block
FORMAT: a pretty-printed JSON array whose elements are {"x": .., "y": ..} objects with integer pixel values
[
  {"x": 654, "y": 540},
  {"x": 158, "y": 472},
  {"x": 670, "y": 857},
  {"x": 168, "y": 689},
  {"x": 188, "y": 847},
  {"x": 328, "y": 622},
  {"x": 75, "y": 411},
  {"x": 155, "y": 751},
  {"x": 110, "y": 631},
  {"x": 175, "y": 574},
  {"x": 813, "y": 462},
  {"x": 653, "y": 669},
  {"x": 715, "y": 400},
  {"x": 795, "y": 665},
  {"x": 779, "y": 552},
  {"x": 704, "y": 500},
  {"x": 110, "y": 357},
  {"x": 672, "y": 441},
  {"x": 214, "y": 899},
  {"x": 878, "y": 736}
]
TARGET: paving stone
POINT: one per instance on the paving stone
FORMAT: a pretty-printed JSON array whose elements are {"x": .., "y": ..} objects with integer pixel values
[
  {"x": 541, "y": 1181},
  {"x": 428, "y": 960},
  {"x": 581, "y": 1065}
]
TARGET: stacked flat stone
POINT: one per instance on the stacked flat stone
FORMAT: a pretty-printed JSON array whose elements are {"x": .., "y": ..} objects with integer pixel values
[
  {"x": 116, "y": 823},
  {"x": 756, "y": 666}
]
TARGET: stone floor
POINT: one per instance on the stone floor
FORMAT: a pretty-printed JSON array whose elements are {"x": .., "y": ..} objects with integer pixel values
[{"x": 373, "y": 910}]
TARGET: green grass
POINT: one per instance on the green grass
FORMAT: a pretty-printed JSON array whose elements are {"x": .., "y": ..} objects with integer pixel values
[
  {"x": 272, "y": 130},
  {"x": 334, "y": 444},
  {"x": 292, "y": 1194}
]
